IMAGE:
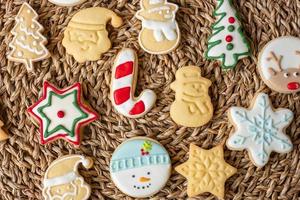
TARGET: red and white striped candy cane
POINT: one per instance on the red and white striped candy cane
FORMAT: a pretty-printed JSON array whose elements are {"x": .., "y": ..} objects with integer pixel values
[{"x": 123, "y": 82}]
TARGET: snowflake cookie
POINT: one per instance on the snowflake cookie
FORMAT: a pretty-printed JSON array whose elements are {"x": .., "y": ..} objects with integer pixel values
[
  {"x": 62, "y": 113},
  {"x": 260, "y": 129},
  {"x": 206, "y": 171}
]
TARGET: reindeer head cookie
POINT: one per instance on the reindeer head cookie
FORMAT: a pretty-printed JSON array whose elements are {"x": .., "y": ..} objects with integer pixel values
[
  {"x": 279, "y": 64},
  {"x": 160, "y": 33}
]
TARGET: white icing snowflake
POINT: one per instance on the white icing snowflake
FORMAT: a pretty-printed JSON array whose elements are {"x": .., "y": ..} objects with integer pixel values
[{"x": 260, "y": 130}]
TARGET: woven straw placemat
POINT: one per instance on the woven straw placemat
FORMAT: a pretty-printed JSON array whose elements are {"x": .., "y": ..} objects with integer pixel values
[{"x": 23, "y": 160}]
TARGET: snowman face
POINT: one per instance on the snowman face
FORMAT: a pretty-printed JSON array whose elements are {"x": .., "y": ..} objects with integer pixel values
[{"x": 142, "y": 182}]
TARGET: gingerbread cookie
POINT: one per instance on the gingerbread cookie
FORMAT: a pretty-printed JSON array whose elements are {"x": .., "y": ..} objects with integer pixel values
[
  {"x": 67, "y": 2},
  {"x": 123, "y": 82},
  {"x": 160, "y": 33},
  {"x": 260, "y": 129},
  {"x": 206, "y": 171},
  {"x": 140, "y": 167},
  {"x": 62, "y": 180},
  {"x": 86, "y": 37},
  {"x": 28, "y": 44},
  {"x": 192, "y": 106},
  {"x": 279, "y": 64},
  {"x": 62, "y": 113},
  {"x": 227, "y": 43},
  {"x": 3, "y": 134}
]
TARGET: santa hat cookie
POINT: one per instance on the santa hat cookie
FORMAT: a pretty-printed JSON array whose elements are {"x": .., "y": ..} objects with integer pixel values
[
  {"x": 227, "y": 43},
  {"x": 86, "y": 37},
  {"x": 140, "y": 167},
  {"x": 61, "y": 113},
  {"x": 160, "y": 33},
  {"x": 279, "y": 64},
  {"x": 62, "y": 180}
]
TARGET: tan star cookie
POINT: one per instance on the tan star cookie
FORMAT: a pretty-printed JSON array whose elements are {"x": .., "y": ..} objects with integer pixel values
[{"x": 206, "y": 171}]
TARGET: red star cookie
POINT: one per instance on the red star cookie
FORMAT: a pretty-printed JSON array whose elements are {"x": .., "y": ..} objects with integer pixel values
[{"x": 61, "y": 113}]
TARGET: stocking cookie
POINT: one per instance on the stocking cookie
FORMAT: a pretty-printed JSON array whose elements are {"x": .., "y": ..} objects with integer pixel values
[
  {"x": 62, "y": 180},
  {"x": 3, "y": 134},
  {"x": 192, "y": 106},
  {"x": 86, "y": 37},
  {"x": 279, "y": 64},
  {"x": 227, "y": 42},
  {"x": 260, "y": 129},
  {"x": 123, "y": 81},
  {"x": 67, "y": 2},
  {"x": 28, "y": 44},
  {"x": 140, "y": 167},
  {"x": 62, "y": 113},
  {"x": 160, "y": 33},
  {"x": 206, "y": 171}
]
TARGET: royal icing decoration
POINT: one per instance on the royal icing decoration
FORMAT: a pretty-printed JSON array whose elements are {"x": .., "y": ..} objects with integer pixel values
[
  {"x": 227, "y": 43},
  {"x": 3, "y": 134},
  {"x": 28, "y": 44},
  {"x": 86, "y": 37},
  {"x": 62, "y": 180},
  {"x": 67, "y": 2},
  {"x": 279, "y": 64},
  {"x": 192, "y": 106},
  {"x": 140, "y": 167},
  {"x": 160, "y": 33},
  {"x": 260, "y": 130},
  {"x": 123, "y": 81},
  {"x": 61, "y": 113},
  {"x": 206, "y": 171}
]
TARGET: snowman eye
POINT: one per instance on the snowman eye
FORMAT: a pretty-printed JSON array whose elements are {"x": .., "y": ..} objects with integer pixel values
[
  {"x": 148, "y": 173},
  {"x": 296, "y": 74},
  {"x": 286, "y": 75},
  {"x": 133, "y": 176}
]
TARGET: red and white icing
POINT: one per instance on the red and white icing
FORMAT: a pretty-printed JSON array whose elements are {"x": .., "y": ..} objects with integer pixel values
[{"x": 123, "y": 86}]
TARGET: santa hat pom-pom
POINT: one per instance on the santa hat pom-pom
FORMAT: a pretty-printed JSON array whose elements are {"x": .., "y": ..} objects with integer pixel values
[{"x": 87, "y": 162}]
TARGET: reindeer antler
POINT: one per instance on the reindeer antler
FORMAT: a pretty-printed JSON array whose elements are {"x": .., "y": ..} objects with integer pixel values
[{"x": 278, "y": 60}]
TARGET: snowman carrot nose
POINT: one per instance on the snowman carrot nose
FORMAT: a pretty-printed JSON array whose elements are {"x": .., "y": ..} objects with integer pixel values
[{"x": 144, "y": 179}]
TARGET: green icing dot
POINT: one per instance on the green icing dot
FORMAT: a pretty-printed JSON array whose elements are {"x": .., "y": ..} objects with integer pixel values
[
  {"x": 231, "y": 28},
  {"x": 229, "y": 46}
]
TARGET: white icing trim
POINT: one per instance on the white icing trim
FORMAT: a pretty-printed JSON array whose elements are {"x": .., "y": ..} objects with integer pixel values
[
  {"x": 67, "y": 178},
  {"x": 27, "y": 32},
  {"x": 67, "y": 2},
  {"x": 161, "y": 30},
  {"x": 152, "y": 10},
  {"x": 27, "y": 47},
  {"x": 152, "y": 2}
]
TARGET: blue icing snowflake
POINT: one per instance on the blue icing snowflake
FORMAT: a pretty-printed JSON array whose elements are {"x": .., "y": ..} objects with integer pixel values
[{"x": 260, "y": 130}]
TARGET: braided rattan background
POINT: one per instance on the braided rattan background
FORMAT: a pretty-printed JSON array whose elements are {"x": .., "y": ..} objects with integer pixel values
[{"x": 23, "y": 160}]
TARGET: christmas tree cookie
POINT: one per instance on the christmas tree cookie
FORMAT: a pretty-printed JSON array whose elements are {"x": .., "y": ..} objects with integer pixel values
[
  {"x": 28, "y": 44},
  {"x": 260, "y": 129},
  {"x": 62, "y": 113},
  {"x": 227, "y": 42}
]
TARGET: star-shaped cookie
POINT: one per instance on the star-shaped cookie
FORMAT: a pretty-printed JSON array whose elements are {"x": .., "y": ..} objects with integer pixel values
[
  {"x": 61, "y": 113},
  {"x": 206, "y": 171},
  {"x": 260, "y": 129}
]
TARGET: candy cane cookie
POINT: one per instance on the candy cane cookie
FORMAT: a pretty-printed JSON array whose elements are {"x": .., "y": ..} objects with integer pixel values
[{"x": 123, "y": 82}]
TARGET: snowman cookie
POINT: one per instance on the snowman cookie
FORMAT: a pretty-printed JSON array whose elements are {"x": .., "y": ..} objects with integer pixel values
[
  {"x": 62, "y": 113},
  {"x": 63, "y": 181},
  {"x": 260, "y": 129},
  {"x": 86, "y": 37},
  {"x": 140, "y": 167},
  {"x": 192, "y": 106},
  {"x": 123, "y": 82},
  {"x": 67, "y": 2},
  {"x": 160, "y": 33},
  {"x": 279, "y": 64}
]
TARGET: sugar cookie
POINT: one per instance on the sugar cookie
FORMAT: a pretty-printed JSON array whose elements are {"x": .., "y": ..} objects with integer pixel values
[
  {"x": 192, "y": 106},
  {"x": 206, "y": 171},
  {"x": 279, "y": 64},
  {"x": 62, "y": 180},
  {"x": 260, "y": 129},
  {"x": 62, "y": 113},
  {"x": 123, "y": 82},
  {"x": 67, "y": 2},
  {"x": 28, "y": 44},
  {"x": 227, "y": 42},
  {"x": 3, "y": 134},
  {"x": 86, "y": 37},
  {"x": 160, "y": 33},
  {"x": 140, "y": 167}
]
